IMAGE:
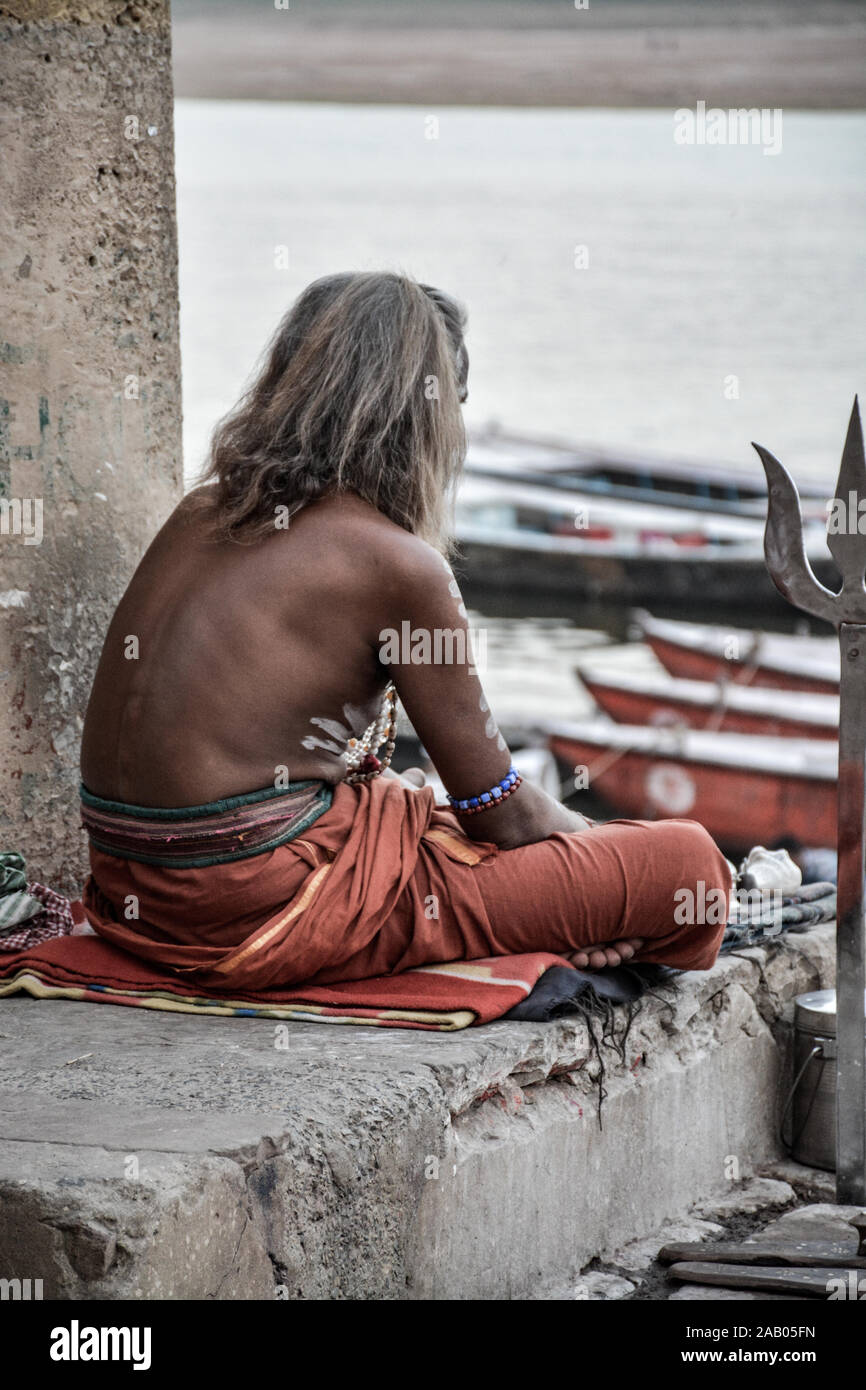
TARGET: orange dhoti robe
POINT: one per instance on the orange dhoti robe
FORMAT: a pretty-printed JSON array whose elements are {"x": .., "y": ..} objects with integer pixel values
[{"x": 383, "y": 880}]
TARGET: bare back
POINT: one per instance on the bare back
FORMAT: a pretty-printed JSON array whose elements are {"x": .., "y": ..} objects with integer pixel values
[
  {"x": 220, "y": 655},
  {"x": 227, "y": 666}
]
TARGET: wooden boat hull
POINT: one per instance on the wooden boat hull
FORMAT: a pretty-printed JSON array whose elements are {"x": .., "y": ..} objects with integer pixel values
[
  {"x": 701, "y": 651},
  {"x": 632, "y": 706},
  {"x": 692, "y": 664},
  {"x": 739, "y": 806}
]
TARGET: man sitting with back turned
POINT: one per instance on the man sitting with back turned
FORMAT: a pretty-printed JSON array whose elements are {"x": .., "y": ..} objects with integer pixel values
[{"x": 244, "y": 828}]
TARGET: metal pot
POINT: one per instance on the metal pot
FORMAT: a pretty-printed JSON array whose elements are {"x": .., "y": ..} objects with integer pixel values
[{"x": 813, "y": 1093}]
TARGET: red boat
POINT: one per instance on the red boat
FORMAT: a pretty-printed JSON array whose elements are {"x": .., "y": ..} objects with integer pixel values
[
  {"x": 746, "y": 790},
  {"x": 657, "y": 699},
  {"x": 695, "y": 651}
]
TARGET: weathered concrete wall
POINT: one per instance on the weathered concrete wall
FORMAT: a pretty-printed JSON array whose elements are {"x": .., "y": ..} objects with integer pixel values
[
  {"x": 89, "y": 377},
  {"x": 162, "y": 1156}
]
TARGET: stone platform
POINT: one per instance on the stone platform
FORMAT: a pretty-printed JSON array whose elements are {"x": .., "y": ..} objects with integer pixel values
[{"x": 152, "y": 1155}]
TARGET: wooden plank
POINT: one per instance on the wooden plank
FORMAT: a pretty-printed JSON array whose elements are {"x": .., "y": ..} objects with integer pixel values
[
  {"x": 810, "y": 1281},
  {"x": 819, "y": 1254},
  {"x": 691, "y": 1293}
]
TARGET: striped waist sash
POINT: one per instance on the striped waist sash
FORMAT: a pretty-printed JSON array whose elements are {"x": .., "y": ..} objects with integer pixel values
[{"x": 192, "y": 837}]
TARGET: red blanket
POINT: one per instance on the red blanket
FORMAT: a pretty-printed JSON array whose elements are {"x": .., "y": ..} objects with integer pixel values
[{"x": 438, "y": 997}]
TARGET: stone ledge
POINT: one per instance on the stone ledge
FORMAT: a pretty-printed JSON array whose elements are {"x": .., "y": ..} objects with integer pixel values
[{"x": 156, "y": 1155}]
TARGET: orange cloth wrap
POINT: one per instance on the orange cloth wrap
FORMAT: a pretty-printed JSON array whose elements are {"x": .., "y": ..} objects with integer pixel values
[{"x": 384, "y": 881}]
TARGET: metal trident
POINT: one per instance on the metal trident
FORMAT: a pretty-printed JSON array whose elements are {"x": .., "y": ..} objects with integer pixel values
[{"x": 794, "y": 578}]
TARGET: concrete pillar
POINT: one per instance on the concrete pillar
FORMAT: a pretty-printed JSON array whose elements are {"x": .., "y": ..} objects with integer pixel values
[{"x": 90, "y": 415}]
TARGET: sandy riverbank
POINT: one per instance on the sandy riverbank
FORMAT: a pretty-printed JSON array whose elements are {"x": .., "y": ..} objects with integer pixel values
[{"x": 482, "y": 52}]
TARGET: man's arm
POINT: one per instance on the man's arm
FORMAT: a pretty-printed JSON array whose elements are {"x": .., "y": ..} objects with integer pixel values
[{"x": 424, "y": 644}]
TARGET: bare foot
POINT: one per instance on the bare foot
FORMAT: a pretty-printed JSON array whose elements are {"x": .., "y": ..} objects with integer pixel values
[{"x": 605, "y": 953}]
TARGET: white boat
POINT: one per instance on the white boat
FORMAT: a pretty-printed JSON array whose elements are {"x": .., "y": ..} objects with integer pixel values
[
  {"x": 529, "y": 537},
  {"x": 632, "y": 476}
]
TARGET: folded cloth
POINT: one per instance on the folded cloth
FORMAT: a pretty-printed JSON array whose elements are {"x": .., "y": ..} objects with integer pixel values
[
  {"x": 13, "y": 875},
  {"x": 29, "y": 912},
  {"x": 440, "y": 998},
  {"x": 53, "y": 917},
  {"x": 17, "y": 904},
  {"x": 796, "y": 912}
]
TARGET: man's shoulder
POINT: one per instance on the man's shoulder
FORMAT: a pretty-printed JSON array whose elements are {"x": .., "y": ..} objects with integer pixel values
[{"x": 375, "y": 541}]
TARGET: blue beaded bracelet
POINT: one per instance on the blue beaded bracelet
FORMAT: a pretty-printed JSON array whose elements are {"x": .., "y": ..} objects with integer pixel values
[{"x": 485, "y": 800}]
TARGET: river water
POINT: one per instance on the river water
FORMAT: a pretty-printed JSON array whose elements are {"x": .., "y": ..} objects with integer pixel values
[{"x": 718, "y": 296}]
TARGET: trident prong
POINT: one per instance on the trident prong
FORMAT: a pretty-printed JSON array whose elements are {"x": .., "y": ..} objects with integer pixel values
[
  {"x": 843, "y": 542},
  {"x": 793, "y": 576},
  {"x": 784, "y": 549}
]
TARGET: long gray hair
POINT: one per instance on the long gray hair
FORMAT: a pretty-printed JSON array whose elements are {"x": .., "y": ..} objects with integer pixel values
[{"x": 360, "y": 392}]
